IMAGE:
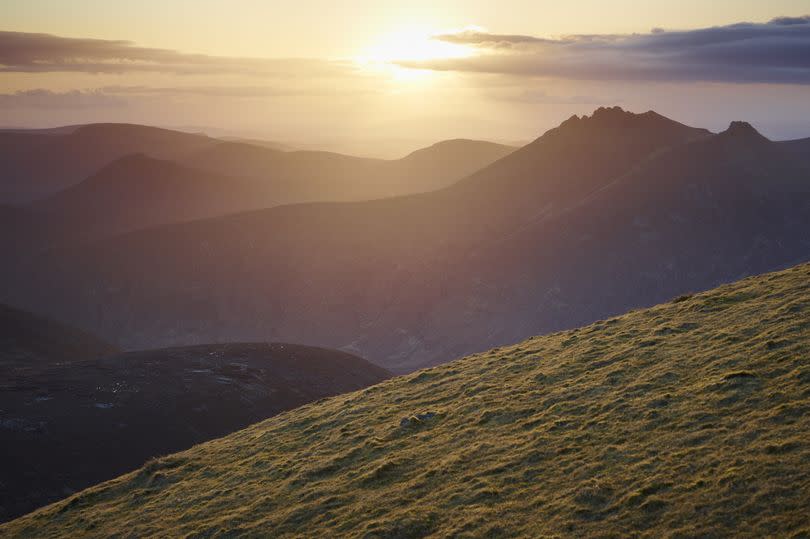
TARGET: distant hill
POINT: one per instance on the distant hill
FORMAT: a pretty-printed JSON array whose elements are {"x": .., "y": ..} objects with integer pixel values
[
  {"x": 37, "y": 164},
  {"x": 600, "y": 215},
  {"x": 305, "y": 176},
  {"x": 686, "y": 419},
  {"x": 135, "y": 179},
  {"x": 67, "y": 425},
  {"x": 137, "y": 191}
]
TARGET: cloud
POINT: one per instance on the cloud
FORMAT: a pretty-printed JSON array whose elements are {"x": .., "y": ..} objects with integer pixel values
[
  {"x": 774, "y": 52},
  {"x": 72, "y": 99},
  {"x": 119, "y": 96},
  {"x": 234, "y": 91},
  {"x": 480, "y": 38},
  {"x": 37, "y": 53}
]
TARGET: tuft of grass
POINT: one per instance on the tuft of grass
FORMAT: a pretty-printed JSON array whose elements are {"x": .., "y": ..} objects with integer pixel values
[{"x": 683, "y": 420}]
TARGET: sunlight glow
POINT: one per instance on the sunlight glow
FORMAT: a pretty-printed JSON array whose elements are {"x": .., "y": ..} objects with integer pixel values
[{"x": 413, "y": 44}]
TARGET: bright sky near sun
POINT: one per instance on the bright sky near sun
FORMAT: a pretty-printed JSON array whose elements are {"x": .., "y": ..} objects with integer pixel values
[{"x": 341, "y": 74}]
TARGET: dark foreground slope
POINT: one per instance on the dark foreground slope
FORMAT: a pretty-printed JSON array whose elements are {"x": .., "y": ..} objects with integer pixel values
[
  {"x": 65, "y": 426},
  {"x": 689, "y": 419}
]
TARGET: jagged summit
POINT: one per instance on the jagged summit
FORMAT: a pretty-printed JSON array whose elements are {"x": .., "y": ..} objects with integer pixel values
[
  {"x": 602, "y": 115},
  {"x": 740, "y": 129},
  {"x": 617, "y": 118},
  {"x": 648, "y": 124}
]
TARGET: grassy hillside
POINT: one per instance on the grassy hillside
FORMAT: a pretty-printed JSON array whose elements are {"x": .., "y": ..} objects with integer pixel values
[{"x": 687, "y": 419}]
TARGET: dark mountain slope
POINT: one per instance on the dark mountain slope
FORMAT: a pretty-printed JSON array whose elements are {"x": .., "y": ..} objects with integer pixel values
[
  {"x": 705, "y": 213},
  {"x": 800, "y": 147},
  {"x": 66, "y": 426},
  {"x": 137, "y": 191},
  {"x": 37, "y": 165},
  {"x": 550, "y": 236},
  {"x": 30, "y": 341},
  {"x": 688, "y": 419}
]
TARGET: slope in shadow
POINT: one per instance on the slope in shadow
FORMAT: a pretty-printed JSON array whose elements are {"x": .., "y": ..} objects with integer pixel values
[{"x": 71, "y": 423}]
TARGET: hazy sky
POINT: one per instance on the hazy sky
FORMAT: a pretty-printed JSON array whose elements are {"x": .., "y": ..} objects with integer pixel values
[{"x": 344, "y": 74}]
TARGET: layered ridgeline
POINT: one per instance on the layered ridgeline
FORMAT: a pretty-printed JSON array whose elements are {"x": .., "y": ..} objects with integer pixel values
[
  {"x": 139, "y": 191},
  {"x": 74, "y": 411},
  {"x": 687, "y": 419},
  {"x": 99, "y": 180},
  {"x": 599, "y": 215},
  {"x": 306, "y": 176},
  {"x": 39, "y": 163}
]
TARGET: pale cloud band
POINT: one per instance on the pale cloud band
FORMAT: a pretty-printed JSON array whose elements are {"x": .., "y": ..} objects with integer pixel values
[
  {"x": 23, "y": 52},
  {"x": 774, "y": 52}
]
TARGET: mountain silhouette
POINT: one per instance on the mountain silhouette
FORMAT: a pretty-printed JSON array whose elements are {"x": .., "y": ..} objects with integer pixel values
[
  {"x": 602, "y": 214},
  {"x": 138, "y": 191},
  {"x": 306, "y": 176},
  {"x": 40, "y": 164}
]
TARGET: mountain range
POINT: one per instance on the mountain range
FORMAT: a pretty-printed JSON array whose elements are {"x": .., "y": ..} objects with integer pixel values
[
  {"x": 602, "y": 214},
  {"x": 88, "y": 182}
]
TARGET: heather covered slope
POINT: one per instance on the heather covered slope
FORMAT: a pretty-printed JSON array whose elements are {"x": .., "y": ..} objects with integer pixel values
[
  {"x": 686, "y": 419},
  {"x": 67, "y": 425}
]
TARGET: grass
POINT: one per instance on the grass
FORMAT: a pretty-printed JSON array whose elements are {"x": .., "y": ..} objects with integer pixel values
[{"x": 689, "y": 419}]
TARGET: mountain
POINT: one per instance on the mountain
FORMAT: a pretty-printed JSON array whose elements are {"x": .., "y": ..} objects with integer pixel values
[
  {"x": 28, "y": 341},
  {"x": 71, "y": 424},
  {"x": 305, "y": 176},
  {"x": 599, "y": 215},
  {"x": 137, "y": 191},
  {"x": 680, "y": 420},
  {"x": 38, "y": 164}
]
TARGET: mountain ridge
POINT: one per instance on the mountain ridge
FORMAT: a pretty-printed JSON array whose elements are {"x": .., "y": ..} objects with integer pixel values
[{"x": 411, "y": 281}]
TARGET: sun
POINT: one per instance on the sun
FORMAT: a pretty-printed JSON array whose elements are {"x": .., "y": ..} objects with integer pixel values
[{"x": 413, "y": 44}]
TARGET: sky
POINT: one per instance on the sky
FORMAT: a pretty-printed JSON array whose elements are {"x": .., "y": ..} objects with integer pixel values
[{"x": 385, "y": 77}]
